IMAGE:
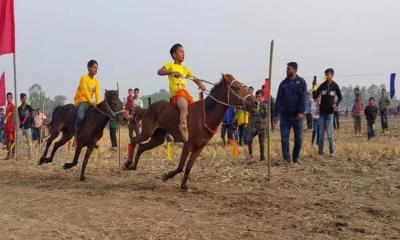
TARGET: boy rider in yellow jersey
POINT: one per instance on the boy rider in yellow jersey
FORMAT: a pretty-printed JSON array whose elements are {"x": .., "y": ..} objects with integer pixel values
[
  {"x": 180, "y": 97},
  {"x": 88, "y": 86}
]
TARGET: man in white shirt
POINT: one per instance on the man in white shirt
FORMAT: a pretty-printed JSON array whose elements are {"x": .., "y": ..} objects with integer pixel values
[{"x": 137, "y": 102}]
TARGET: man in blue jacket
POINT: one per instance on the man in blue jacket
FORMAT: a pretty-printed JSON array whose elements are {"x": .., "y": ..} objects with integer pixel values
[
  {"x": 228, "y": 127},
  {"x": 290, "y": 107}
]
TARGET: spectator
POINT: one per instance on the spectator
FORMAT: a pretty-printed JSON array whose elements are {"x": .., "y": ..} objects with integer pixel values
[
  {"x": 137, "y": 102},
  {"x": 328, "y": 90},
  {"x": 26, "y": 121},
  {"x": 384, "y": 103},
  {"x": 290, "y": 106},
  {"x": 2, "y": 124},
  {"x": 251, "y": 90},
  {"x": 112, "y": 127},
  {"x": 38, "y": 121},
  {"x": 336, "y": 116},
  {"x": 370, "y": 114},
  {"x": 242, "y": 119},
  {"x": 257, "y": 126},
  {"x": 308, "y": 111},
  {"x": 9, "y": 129},
  {"x": 315, "y": 116},
  {"x": 358, "y": 109},
  {"x": 227, "y": 125}
]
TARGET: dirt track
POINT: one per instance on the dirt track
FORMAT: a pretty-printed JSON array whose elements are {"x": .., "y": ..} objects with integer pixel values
[{"x": 351, "y": 197}]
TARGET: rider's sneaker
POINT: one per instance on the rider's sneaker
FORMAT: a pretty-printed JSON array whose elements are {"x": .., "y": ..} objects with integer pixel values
[{"x": 184, "y": 131}]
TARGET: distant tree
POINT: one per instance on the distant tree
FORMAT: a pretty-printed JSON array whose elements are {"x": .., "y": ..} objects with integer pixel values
[
  {"x": 157, "y": 96},
  {"x": 38, "y": 99}
]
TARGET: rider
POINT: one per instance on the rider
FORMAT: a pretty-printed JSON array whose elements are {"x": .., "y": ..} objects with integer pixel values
[
  {"x": 180, "y": 97},
  {"x": 88, "y": 86}
]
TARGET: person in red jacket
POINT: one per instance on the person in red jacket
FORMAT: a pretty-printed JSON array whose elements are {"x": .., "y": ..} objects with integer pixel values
[{"x": 9, "y": 130}]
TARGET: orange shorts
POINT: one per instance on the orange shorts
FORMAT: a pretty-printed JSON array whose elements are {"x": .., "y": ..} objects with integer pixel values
[{"x": 184, "y": 94}]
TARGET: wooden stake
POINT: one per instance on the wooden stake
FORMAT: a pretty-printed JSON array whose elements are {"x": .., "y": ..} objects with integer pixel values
[
  {"x": 271, "y": 53},
  {"x": 119, "y": 143}
]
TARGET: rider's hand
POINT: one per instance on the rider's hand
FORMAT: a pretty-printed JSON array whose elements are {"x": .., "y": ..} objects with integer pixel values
[{"x": 202, "y": 87}]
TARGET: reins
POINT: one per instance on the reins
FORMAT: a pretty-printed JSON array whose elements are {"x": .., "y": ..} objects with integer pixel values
[
  {"x": 243, "y": 100},
  {"x": 111, "y": 114}
]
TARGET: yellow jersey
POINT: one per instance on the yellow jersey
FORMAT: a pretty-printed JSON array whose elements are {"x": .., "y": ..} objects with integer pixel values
[
  {"x": 87, "y": 87},
  {"x": 242, "y": 117},
  {"x": 175, "y": 83}
]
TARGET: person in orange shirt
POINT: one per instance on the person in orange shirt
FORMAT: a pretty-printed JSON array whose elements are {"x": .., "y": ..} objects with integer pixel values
[
  {"x": 88, "y": 86},
  {"x": 180, "y": 97},
  {"x": 9, "y": 129}
]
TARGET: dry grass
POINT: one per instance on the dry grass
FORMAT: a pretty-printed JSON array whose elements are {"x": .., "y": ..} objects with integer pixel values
[{"x": 356, "y": 195}]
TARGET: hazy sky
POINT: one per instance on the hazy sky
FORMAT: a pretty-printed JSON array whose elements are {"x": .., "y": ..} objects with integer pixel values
[{"x": 131, "y": 40}]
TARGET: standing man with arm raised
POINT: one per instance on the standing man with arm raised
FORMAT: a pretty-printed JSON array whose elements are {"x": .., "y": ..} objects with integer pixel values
[{"x": 290, "y": 107}]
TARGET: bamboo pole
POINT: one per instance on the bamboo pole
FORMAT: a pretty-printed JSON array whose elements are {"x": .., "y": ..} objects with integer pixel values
[
  {"x": 119, "y": 142},
  {"x": 16, "y": 144},
  {"x": 271, "y": 52}
]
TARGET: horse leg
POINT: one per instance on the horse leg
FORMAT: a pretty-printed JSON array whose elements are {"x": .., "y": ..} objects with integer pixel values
[
  {"x": 64, "y": 139},
  {"x": 89, "y": 151},
  {"x": 189, "y": 165},
  {"x": 185, "y": 153},
  {"x": 157, "y": 139},
  {"x": 76, "y": 157},
  {"x": 53, "y": 136}
]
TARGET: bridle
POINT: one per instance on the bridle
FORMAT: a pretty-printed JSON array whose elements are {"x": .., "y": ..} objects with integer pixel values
[
  {"x": 109, "y": 112},
  {"x": 230, "y": 90}
]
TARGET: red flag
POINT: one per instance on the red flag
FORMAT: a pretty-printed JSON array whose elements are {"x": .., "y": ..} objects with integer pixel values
[
  {"x": 7, "y": 27},
  {"x": 3, "y": 89},
  {"x": 266, "y": 90}
]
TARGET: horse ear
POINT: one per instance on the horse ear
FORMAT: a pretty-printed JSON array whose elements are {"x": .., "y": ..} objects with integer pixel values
[
  {"x": 117, "y": 92},
  {"x": 223, "y": 77}
]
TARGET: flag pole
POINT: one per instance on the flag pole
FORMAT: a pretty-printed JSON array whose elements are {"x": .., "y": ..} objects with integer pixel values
[
  {"x": 271, "y": 52},
  {"x": 15, "y": 109}
]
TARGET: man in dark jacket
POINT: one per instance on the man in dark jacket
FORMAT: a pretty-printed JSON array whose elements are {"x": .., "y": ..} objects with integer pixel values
[
  {"x": 290, "y": 107},
  {"x": 328, "y": 90},
  {"x": 370, "y": 114}
]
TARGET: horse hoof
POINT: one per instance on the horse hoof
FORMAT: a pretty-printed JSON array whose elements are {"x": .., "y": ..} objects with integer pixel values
[
  {"x": 165, "y": 177},
  {"x": 82, "y": 179},
  {"x": 184, "y": 188},
  {"x": 67, "y": 166},
  {"x": 40, "y": 162},
  {"x": 128, "y": 166}
]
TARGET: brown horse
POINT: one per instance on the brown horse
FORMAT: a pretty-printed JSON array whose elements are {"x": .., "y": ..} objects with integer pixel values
[
  {"x": 63, "y": 120},
  {"x": 204, "y": 118}
]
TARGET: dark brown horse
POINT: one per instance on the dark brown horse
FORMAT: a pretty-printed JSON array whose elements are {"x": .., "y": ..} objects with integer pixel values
[
  {"x": 204, "y": 118},
  {"x": 63, "y": 120}
]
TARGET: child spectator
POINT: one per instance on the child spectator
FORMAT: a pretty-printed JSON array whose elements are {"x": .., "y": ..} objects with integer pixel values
[
  {"x": 370, "y": 114},
  {"x": 315, "y": 118},
  {"x": 38, "y": 121},
  {"x": 257, "y": 126},
  {"x": 357, "y": 111},
  {"x": 242, "y": 119}
]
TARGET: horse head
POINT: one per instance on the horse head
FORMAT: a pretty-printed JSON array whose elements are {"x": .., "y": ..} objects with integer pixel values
[
  {"x": 115, "y": 107},
  {"x": 237, "y": 94}
]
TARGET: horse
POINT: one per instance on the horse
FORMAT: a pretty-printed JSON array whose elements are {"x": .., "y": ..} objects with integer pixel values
[
  {"x": 63, "y": 120},
  {"x": 162, "y": 118}
]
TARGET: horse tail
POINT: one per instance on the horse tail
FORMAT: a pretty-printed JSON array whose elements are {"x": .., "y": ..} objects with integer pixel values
[{"x": 53, "y": 115}]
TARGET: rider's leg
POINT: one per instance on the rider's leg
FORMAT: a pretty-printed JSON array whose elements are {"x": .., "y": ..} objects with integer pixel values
[
  {"x": 183, "y": 113},
  {"x": 80, "y": 115}
]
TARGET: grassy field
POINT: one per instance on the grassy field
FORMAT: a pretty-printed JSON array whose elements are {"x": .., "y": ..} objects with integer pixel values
[{"x": 355, "y": 195}]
